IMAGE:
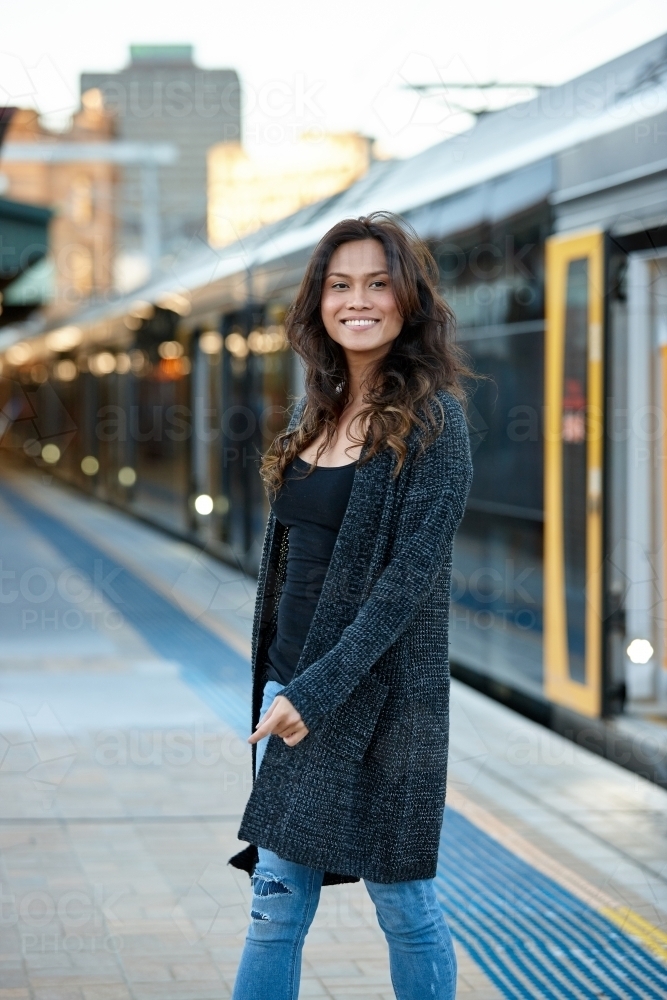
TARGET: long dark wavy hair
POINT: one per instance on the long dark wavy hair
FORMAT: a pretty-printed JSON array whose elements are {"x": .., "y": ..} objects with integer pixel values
[{"x": 422, "y": 359}]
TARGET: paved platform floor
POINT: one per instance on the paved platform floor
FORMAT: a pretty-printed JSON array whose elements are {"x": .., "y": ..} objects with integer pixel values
[{"x": 124, "y": 771}]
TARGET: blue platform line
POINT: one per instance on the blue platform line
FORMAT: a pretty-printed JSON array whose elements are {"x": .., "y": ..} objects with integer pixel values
[
  {"x": 530, "y": 919},
  {"x": 538, "y": 965},
  {"x": 564, "y": 931},
  {"x": 480, "y": 939},
  {"x": 639, "y": 965},
  {"x": 488, "y": 916},
  {"x": 473, "y": 874},
  {"x": 539, "y": 890},
  {"x": 472, "y": 889},
  {"x": 203, "y": 657},
  {"x": 546, "y": 932}
]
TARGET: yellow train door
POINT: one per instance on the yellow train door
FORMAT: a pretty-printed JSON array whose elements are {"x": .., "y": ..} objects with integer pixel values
[{"x": 574, "y": 429}]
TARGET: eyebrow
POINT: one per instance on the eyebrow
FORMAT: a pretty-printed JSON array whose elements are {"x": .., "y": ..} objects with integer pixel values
[{"x": 371, "y": 274}]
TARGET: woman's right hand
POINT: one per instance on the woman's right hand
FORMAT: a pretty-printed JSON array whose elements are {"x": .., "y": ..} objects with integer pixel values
[{"x": 281, "y": 719}]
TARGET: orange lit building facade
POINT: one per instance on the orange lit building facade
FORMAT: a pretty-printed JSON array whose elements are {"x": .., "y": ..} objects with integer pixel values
[{"x": 82, "y": 197}]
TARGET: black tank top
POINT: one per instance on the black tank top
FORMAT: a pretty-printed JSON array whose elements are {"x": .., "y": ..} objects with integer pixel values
[{"x": 313, "y": 509}]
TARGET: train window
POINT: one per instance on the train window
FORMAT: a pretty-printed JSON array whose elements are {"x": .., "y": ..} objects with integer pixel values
[
  {"x": 575, "y": 392},
  {"x": 494, "y": 274},
  {"x": 496, "y": 617},
  {"x": 257, "y": 375},
  {"x": 573, "y": 472}
]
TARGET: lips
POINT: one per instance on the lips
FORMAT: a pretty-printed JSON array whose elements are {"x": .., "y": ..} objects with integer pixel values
[{"x": 360, "y": 324}]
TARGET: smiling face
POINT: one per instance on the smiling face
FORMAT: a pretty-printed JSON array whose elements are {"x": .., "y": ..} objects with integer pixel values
[{"x": 358, "y": 307}]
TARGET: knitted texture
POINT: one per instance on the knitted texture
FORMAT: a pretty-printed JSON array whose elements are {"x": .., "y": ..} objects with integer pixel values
[{"x": 363, "y": 794}]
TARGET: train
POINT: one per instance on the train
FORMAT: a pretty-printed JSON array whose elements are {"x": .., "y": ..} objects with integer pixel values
[{"x": 548, "y": 223}]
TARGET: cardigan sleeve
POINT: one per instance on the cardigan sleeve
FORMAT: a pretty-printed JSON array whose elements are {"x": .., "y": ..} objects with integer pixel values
[{"x": 432, "y": 510}]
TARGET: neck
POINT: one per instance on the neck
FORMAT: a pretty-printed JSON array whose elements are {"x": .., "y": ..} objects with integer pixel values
[{"x": 359, "y": 367}]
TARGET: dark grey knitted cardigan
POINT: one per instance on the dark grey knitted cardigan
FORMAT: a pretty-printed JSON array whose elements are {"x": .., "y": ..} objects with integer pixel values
[{"x": 363, "y": 794}]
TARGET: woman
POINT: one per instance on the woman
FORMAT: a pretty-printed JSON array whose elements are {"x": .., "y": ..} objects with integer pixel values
[{"x": 349, "y": 655}]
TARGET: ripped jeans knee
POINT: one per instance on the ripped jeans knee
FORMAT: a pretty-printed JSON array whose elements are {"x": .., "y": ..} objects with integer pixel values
[{"x": 265, "y": 884}]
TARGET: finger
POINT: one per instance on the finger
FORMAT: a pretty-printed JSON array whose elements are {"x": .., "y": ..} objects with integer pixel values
[
  {"x": 286, "y": 726},
  {"x": 293, "y": 730},
  {"x": 263, "y": 729},
  {"x": 270, "y": 712},
  {"x": 265, "y": 724},
  {"x": 295, "y": 738}
]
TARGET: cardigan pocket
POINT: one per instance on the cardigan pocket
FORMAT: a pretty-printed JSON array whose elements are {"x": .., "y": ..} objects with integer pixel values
[{"x": 348, "y": 731}]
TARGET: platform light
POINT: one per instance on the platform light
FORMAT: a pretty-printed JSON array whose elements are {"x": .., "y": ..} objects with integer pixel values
[
  {"x": 175, "y": 302},
  {"x": 19, "y": 354},
  {"x": 90, "y": 466},
  {"x": 39, "y": 373},
  {"x": 257, "y": 342},
  {"x": 138, "y": 360},
  {"x": 142, "y": 309},
  {"x": 102, "y": 364},
  {"x": 639, "y": 651},
  {"x": 170, "y": 349},
  {"x": 267, "y": 341},
  {"x": 127, "y": 476},
  {"x": 204, "y": 504},
  {"x": 51, "y": 453},
  {"x": 210, "y": 342},
  {"x": 237, "y": 345},
  {"x": 123, "y": 363},
  {"x": 65, "y": 339},
  {"x": 277, "y": 338},
  {"x": 65, "y": 371}
]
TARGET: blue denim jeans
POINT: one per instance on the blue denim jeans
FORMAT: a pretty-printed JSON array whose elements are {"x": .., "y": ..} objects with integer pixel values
[{"x": 285, "y": 898}]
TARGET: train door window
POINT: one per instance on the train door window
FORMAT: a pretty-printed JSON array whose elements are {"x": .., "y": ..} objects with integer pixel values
[
  {"x": 573, "y": 472},
  {"x": 574, "y": 395}
]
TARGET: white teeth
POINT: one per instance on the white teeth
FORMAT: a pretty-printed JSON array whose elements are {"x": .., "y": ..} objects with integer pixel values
[{"x": 360, "y": 322}]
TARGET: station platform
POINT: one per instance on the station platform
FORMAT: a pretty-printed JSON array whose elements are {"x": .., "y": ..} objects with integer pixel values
[{"x": 124, "y": 712}]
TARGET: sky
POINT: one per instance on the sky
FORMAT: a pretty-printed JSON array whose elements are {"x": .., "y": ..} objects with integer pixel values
[{"x": 341, "y": 66}]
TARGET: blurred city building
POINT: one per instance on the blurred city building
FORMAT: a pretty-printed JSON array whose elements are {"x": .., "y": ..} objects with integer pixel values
[
  {"x": 245, "y": 194},
  {"x": 80, "y": 195},
  {"x": 23, "y": 245},
  {"x": 162, "y": 96}
]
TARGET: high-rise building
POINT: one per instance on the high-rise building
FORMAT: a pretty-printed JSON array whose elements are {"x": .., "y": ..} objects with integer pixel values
[{"x": 162, "y": 96}]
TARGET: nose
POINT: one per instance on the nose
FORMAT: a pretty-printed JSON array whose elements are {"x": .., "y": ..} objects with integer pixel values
[{"x": 358, "y": 298}]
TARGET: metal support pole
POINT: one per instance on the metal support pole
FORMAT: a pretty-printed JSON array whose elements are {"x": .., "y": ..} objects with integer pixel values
[{"x": 150, "y": 214}]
